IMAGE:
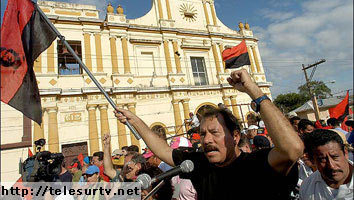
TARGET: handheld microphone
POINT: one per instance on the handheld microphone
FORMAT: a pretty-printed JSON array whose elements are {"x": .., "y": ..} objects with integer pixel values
[{"x": 146, "y": 181}]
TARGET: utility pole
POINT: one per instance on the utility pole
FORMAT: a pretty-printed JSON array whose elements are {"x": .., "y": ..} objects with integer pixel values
[{"x": 314, "y": 99}]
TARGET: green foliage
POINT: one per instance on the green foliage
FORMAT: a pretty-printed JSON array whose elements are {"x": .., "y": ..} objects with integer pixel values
[
  {"x": 318, "y": 87},
  {"x": 289, "y": 102}
]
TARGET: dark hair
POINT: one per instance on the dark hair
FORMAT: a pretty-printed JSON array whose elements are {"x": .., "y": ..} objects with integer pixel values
[
  {"x": 133, "y": 148},
  {"x": 332, "y": 122},
  {"x": 303, "y": 123},
  {"x": 244, "y": 141},
  {"x": 138, "y": 158},
  {"x": 165, "y": 192},
  {"x": 230, "y": 120},
  {"x": 320, "y": 137},
  {"x": 125, "y": 148},
  {"x": 293, "y": 119},
  {"x": 132, "y": 153},
  {"x": 99, "y": 154}
]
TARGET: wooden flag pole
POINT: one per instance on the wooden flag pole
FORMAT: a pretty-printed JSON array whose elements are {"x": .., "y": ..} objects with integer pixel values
[{"x": 83, "y": 66}]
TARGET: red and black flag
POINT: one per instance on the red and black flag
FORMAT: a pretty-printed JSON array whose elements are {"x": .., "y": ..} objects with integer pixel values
[
  {"x": 24, "y": 36},
  {"x": 341, "y": 110},
  {"x": 236, "y": 56}
]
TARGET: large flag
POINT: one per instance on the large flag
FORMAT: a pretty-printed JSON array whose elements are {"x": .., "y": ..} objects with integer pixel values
[
  {"x": 24, "y": 36},
  {"x": 236, "y": 56},
  {"x": 341, "y": 110}
]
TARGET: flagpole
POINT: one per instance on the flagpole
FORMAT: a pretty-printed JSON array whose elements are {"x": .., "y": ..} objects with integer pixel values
[{"x": 83, "y": 66}]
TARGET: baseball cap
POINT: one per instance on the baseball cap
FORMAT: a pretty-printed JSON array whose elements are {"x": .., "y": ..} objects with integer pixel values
[
  {"x": 92, "y": 169},
  {"x": 87, "y": 160},
  {"x": 252, "y": 127},
  {"x": 73, "y": 165},
  {"x": 196, "y": 136},
  {"x": 261, "y": 141},
  {"x": 180, "y": 142},
  {"x": 117, "y": 152},
  {"x": 148, "y": 154},
  {"x": 344, "y": 139}
]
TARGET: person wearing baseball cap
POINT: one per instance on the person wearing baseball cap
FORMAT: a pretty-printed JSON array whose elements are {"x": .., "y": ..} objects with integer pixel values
[
  {"x": 92, "y": 174},
  {"x": 252, "y": 132},
  {"x": 75, "y": 169}
]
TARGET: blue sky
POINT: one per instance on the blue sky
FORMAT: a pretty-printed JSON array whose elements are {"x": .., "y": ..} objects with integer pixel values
[{"x": 290, "y": 33}]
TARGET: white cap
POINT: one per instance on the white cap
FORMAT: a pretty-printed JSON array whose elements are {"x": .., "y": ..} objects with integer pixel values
[
  {"x": 252, "y": 127},
  {"x": 261, "y": 124}
]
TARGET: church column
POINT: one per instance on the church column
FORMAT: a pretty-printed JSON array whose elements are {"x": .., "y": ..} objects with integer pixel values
[
  {"x": 168, "y": 9},
  {"x": 167, "y": 56},
  {"x": 255, "y": 55},
  {"x": 234, "y": 107},
  {"x": 226, "y": 102},
  {"x": 98, "y": 52},
  {"x": 253, "y": 70},
  {"x": 104, "y": 121},
  {"x": 216, "y": 59},
  {"x": 53, "y": 136},
  {"x": 114, "y": 57},
  {"x": 177, "y": 58},
  {"x": 50, "y": 58},
  {"x": 206, "y": 12},
  {"x": 221, "y": 48},
  {"x": 177, "y": 115},
  {"x": 38, "y": 133},
  {"x": 131, "y": 108},
  {"x": 186, "y": 111},
  {"x": 212, "y": 8},
  {"x": 122, "y": 135},
  {"x": 160, "y": 9},
  {"x": 93, "y": 132},
  {"x": 87, "y": 44},
  {"x": 125, "y": 56}
]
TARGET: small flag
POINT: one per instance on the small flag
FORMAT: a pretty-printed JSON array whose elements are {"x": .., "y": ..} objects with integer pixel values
[
  {"x": 236, "y": 56},
  {"x": 30, "y": 154},
  {"x": 24, "y": 36},
  {"x": 341, "y": 110}
]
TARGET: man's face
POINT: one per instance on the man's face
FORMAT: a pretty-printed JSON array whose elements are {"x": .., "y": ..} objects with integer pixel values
[
  {"x": 308, "y": 129},
  {"x": 131, "y": 169},
  {"x": 96, "y": 162},
  {"x": 332, "y": 163},
  {"x": 251, "y": 133},
  {"x": 154, "y": 161},
  {"x": 124, "y": 152},
  {"x": 92, "y": 177},
  {"x": 217, "y": 141}
]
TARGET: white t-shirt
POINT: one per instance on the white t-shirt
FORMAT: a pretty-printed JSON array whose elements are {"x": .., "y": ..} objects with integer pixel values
[{"x": 315, "y": 188}]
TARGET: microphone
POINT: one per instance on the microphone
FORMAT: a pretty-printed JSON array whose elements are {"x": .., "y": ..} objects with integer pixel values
[{"x": 146, "y": 181}]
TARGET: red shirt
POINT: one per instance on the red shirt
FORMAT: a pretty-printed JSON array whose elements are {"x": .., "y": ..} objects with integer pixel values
[{"x": 102, "y": 175}]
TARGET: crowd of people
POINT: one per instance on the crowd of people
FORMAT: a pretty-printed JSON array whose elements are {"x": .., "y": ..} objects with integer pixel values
[{"x": 275, "y": 158}]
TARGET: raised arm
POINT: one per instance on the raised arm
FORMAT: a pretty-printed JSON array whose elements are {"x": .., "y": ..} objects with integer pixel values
[
  {"x": 288, "y": 146},
  {"x": 156, "y": 144},
  {"x": 107, "y": 161}
]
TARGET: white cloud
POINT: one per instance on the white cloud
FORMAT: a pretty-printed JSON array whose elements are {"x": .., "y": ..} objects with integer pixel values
[
  {"x": 276, "y": 16},
  {"x": 324, "y": 29}
]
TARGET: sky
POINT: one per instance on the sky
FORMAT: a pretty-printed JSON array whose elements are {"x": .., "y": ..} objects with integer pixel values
[{"x": 290, "y": 33}]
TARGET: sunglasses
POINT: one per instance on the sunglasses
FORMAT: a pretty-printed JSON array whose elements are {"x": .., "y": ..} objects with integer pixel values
[{"x": 89, "y": 175}]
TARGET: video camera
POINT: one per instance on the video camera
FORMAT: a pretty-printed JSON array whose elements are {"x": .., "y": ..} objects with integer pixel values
[{"x": 44, "y": 166}]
